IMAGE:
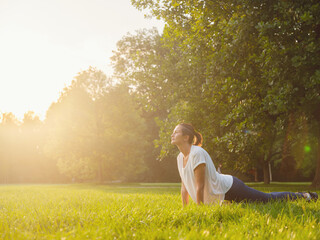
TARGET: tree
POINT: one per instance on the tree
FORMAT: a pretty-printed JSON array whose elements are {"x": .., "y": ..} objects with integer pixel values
[
  {"x": 9, "y": 136},
  {"x": 292, "y": 45},
  {"x": 32, "y": 164},
  {"x": 255, "y": 67},
  {"x": 92, "y": 126},
  {"x": 145, "y": 63}
]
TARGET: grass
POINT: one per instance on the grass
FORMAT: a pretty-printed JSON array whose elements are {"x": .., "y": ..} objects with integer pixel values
[{"x": 148, "y": 211}]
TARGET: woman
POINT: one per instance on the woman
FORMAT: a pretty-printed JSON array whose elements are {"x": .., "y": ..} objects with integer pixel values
[{"x": 204, "y": 184}]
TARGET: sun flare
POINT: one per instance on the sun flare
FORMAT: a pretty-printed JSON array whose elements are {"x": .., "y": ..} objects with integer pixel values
[{"x": 44, "y": 45}]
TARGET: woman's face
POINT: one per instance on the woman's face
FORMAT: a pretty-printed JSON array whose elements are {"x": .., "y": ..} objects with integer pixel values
[{"x": 177, "y": 136}]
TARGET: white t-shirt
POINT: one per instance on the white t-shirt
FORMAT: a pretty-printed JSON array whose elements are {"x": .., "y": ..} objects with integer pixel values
[{"x": 216, "y": 184}]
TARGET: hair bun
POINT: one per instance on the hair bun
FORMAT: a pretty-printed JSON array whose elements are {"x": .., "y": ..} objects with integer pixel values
[{"x": 195, "y": 137}]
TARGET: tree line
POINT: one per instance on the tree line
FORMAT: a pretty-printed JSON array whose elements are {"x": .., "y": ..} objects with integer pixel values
[
  {"x": 95, "y": 131},
  {"x": 246, "y": 74}
]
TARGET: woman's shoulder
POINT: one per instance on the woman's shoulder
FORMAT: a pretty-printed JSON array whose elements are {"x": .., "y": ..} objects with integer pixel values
[{"x": 197, "y": 150}]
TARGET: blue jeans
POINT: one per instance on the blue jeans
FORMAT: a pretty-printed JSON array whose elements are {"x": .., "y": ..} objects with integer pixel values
[{"x": 241, "y": 192}]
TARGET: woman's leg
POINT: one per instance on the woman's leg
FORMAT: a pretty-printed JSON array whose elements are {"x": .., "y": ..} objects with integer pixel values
[{"x": 241, "y": 192}]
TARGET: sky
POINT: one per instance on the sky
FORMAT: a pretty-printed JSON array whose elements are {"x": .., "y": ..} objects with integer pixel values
[{"x": 45, "y": 43}]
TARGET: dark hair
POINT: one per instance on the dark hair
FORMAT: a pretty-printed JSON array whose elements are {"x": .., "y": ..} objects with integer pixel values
[{"x": 195, "y": 137}]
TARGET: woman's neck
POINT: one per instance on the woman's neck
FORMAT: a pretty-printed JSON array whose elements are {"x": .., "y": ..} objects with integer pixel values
[{"x": 185, "y": 149}]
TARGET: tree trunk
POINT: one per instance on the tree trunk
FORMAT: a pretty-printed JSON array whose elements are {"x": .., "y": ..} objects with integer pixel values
[
  {"x": 256, "y": 179},
  {"x": 316, "y": 180},
  {"x": 267, "y": 175},
  {"x": 270, "y": 172},
  {"x": 266, "y": 172}
]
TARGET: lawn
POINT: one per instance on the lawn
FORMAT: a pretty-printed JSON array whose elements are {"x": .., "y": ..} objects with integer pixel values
[{"x": 148, "y": 211}]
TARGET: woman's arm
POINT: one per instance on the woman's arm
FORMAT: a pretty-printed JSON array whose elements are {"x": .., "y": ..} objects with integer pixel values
[
  {"x": 199, "y": 174},
  {"x": 184, "y": 195}
]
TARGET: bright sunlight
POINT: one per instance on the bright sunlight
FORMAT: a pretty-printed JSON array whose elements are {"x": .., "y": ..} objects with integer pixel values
[{"x": 44, "y": 44}]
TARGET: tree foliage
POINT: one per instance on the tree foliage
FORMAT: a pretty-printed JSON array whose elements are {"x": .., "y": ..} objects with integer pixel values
[
  {"x": 254, "y": 64},
  {"x": 21, "y": 153},
  {"x": 96, "y": 131}
]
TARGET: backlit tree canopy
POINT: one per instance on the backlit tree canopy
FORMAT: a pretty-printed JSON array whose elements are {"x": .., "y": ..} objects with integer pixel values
[{"x": 241, "y": 68}]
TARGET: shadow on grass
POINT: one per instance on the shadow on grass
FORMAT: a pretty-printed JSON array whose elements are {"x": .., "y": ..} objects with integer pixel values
[{"x": 283, "y": 187}]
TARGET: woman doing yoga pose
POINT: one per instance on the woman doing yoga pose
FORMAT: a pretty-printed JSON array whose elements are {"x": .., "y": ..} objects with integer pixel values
[{"x": 204, "y": 184}]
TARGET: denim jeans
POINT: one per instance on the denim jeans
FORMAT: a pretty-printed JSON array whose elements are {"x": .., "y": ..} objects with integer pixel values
[{"x": 241, "y": 192}]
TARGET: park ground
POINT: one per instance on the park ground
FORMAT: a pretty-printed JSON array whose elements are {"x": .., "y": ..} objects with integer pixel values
[{"x": 148, "y": 211}]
